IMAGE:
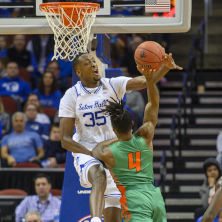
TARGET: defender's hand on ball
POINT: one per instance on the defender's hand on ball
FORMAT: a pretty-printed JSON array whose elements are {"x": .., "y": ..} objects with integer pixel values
[
  {"x": 148, "y": 73},
  {"x": 168, "y": 61}
]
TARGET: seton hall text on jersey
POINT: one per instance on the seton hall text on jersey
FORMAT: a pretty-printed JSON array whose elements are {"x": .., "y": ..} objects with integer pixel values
[{"x": 97, "y": 104}]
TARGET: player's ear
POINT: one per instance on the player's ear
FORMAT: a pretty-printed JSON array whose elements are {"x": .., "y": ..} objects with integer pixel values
[
  {"x": 114, "y": 130},
  {"x": 78, "y": 73}
]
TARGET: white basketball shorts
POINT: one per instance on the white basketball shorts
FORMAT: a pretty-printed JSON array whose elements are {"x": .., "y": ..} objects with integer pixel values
[{"x": 83, "y": 163}]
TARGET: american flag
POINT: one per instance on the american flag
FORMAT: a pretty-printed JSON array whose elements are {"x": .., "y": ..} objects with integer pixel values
[{"x": 157, "y": 5}]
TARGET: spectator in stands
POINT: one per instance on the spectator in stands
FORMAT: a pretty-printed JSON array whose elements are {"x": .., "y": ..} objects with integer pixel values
[
  {"x": 63, "y": 78},
  {"x": 23, "y": 57},
  {"x": 47, "y": 91},
  {"x": 128, "y": 60},
  {"x": 41, "y": 117},
  {"x": 3, "y": 46},
  {"x": 41, "y": 46},
  {"x": 43, "y": 202},
  {"x": 214, "y": 211},
  {"x": 65, "y": 67},
  {"x": 213, "y": 172},
  {"x": 219, "y": 149},
  {"x": 3, "y": 64},
  {"x": 4, "y": 120},
  {"x": 54, "y": 153},
  {"x": 54, "y": 68},
  {"x": 136, "y": 103},
  {"x": 21, "y": 145},
  {"x": 12, "y": 85},
  {"x": 118, "y": 44},
  {"x": 31, "y": 124},
  {"x": 33, "y": 216}
]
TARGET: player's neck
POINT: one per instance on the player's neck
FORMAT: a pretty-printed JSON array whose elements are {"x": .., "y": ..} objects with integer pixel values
[
  {"x": 90, "y": 84},
  {"x": 125, "y": 137}
]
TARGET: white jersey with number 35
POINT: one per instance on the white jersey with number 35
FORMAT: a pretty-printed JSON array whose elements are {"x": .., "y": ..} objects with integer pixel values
[{"x": 84, "y": 104}]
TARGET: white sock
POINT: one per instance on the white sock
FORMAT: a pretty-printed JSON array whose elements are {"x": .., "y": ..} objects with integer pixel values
[{"x": 95, "y": 219}]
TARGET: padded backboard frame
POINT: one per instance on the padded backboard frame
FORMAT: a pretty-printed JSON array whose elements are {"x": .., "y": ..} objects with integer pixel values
[{"x": 138, "y": 24}]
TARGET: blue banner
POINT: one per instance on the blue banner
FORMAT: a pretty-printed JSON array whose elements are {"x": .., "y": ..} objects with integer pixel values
[{"x": 75, "y": 199}]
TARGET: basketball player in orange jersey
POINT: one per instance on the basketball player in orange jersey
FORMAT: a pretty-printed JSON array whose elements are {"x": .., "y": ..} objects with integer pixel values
[{"x": 81, "y": 107}]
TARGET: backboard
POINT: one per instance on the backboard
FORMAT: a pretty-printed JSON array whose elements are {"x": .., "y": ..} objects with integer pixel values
[{"x": 115, "y": 16}]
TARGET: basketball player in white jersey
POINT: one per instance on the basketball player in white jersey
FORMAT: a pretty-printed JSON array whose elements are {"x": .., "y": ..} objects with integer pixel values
[{"x": 81, "y": 107}]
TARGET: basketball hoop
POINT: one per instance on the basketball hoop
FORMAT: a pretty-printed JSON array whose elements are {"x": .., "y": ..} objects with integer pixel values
[{"x": 71, "y": 23}]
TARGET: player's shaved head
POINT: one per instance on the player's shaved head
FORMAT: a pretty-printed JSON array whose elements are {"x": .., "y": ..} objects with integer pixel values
[{"x": 76, "y": 61}]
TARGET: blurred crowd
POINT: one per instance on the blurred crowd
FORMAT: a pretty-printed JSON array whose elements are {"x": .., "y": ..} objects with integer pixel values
[{"x": 36, "y": 85}]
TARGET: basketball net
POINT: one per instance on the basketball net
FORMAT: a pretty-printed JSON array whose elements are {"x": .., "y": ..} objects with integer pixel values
[{"x": 71, "y": 25}]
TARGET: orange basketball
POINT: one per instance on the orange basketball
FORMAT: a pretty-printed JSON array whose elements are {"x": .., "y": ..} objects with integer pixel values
[{"x": 149, "y": 55}]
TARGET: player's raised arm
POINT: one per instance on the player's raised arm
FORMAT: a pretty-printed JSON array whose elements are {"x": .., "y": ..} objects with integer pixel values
[
  {"x": 67, "y": 128},
  {"x": 151, "y": 110}
]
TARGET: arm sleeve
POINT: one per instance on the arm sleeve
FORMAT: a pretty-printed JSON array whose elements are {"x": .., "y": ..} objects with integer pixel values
[
  {"x": 67, "y": 107},
  {"x": 21, "y": 210},
  {"x": 119, "y": 85},
  {"x": 38, "y": 141},
  {"x": 204, "y": 194},
  {"x": 4, "y": 141}
]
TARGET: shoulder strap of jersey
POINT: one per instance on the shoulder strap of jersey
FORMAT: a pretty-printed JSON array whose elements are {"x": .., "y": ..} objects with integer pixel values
[{"x": 107, "y": 83}]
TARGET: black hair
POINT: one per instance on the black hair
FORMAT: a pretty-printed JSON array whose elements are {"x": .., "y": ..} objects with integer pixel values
[
  {"x": 76, "y": 60},
  {"x": 54, "y": 125},
  {"x": 41, "y": 86},
  {"x": 211, "y": 162},
  {"x": 53, "y": 61},
  {"x": 120, "y": 118},
  {"x": 42, "y": 175}
]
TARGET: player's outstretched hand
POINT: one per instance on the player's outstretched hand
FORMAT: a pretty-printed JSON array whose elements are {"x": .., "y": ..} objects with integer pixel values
[
  {"x": 168, "y": 61},
  {"x": 148, "y": 73}
]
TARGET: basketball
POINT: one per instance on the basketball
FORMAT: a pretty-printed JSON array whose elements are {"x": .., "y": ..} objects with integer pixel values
[{"x": 149, "y": 55}]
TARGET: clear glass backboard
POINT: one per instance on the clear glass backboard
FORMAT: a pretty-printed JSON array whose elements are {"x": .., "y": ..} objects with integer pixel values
[{"x": 115, "y": 16}]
